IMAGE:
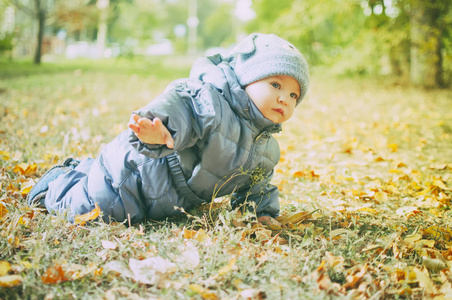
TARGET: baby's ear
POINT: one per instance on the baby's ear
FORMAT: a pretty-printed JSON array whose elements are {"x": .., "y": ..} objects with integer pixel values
[{"x": 246, "y": 46}]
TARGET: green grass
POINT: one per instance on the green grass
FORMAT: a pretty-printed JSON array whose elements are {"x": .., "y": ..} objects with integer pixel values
[{"x": 356, "y": 151}]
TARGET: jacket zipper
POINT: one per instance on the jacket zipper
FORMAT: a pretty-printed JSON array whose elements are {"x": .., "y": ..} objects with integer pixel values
[{"x": 248, "y": 161}]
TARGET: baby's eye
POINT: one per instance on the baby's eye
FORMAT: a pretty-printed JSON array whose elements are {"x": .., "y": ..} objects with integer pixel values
[
  {"x": 293, "y": 95},
  {"x": 276, "y": 85}
]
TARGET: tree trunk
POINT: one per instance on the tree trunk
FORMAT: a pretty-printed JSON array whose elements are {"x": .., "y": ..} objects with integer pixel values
[
  {"x": 425, "y": 67},
  {"x": 102, "y": 27},
  {"x": 41, "y": 16}
]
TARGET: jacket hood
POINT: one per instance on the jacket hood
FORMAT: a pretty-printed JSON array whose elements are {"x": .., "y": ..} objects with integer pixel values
[{"x": 218, "y": 71}]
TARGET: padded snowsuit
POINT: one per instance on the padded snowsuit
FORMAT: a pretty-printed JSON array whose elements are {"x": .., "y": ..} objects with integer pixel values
[{"x": 222, "y": 145}]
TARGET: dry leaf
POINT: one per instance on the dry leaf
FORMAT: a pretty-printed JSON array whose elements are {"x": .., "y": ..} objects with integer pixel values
[
  {"x": 294, "y": 218},
  {"x": 92, "y": 215},
  {"x": 189, "y": 259},
  {"x": 342, "y": 231},
  {"x": 25, "y": 169},
  {"x": 227, "y": 268},
  {"x": 10, "y": 280},
  {"x": 433, "y": 264},
  {"x": 5, "y": 267},
  {"x": 410, "y": 239},
  {"x": 204, "y": 293},
  {"x": 119, "y": 267},
  {"x": 199, "y": 235},
  {"x": 335, "y": 262},
  {"x": 150, "y": 270},
  {"x": 109, "y": 245},
  {"x": 54, "y": 274},
  {"x": 424, "y": 281}
]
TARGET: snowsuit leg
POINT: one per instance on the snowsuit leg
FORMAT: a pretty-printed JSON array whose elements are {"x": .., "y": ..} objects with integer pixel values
[{"x": 68, "y": 193}]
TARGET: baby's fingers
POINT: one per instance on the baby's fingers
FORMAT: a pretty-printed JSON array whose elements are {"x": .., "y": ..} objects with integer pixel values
[
  {"x": 134, "y": 127},
  {"x": 136, "y": 118}
]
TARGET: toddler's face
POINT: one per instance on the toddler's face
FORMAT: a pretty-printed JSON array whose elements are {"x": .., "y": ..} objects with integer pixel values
[{"x": 275, "y": 97}]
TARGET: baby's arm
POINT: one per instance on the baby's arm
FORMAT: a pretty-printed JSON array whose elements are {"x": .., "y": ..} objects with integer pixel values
[{"x": 151, "y": 132}]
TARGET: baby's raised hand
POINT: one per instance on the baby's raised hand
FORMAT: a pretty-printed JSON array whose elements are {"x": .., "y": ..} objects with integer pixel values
[{"x": 151, "y": 131}]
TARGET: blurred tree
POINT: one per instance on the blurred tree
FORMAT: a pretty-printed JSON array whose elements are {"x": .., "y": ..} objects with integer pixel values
[
  {"x": 79, "y": 18},
  {"x": 320, "y": 29},
  {"x": 428, "y": 26},
  {"x": 410, "y": 38},
  {"x": 39, "y": 12},
  {"x": 218, "y": 27}
]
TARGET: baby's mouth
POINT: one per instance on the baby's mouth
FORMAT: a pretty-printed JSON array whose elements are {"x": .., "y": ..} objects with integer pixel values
[{"x": 279, "y": 110}]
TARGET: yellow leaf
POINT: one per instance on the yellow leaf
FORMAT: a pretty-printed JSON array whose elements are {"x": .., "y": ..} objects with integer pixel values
[
  {"x": 413, "y": 238},
  {"x": 334, "y": 261},
  {"x": 5, "y": 155},
  {"x": 440, "y": 184},
  {"x": 368, "y": 210},
  {"x": 196, "y": 288},
  {"x": 381, "y": 196},
  {"x": 3, "y": 210},
  {"x": 227, "y": 268},
  {"x": 425, "y": 281},
  {"x": 92, "y": 215},
  {"x": 4, "y": 267},
  {"x": 10, "y": 280},
  {"x": 26, "y": 264},
  {"x": 199, "y": 235},
  {"x": 393, "y": 147},
  {"x": 428, "y": 243},
  {"x": 25, "y": 169},
  {"x": 294, "y": 218},
  {"x": 26, "y": 187}
]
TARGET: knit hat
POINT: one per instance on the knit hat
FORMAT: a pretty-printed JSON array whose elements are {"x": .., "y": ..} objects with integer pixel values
[{"x": 259, "y": 56}]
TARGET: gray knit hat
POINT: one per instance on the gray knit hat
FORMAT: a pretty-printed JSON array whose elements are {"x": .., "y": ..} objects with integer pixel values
[{"x": 259, "y": 56}]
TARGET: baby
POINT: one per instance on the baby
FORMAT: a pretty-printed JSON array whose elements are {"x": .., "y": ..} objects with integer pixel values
[{"x": 206, "y": 136}]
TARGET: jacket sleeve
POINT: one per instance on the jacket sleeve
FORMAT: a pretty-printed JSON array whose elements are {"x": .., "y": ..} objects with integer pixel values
[
  {"x": 262, "y": 197},
  {"x": 187, "y": 112}
]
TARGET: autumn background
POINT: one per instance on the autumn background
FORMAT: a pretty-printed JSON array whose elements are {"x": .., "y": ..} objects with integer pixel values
[{"x": 365, "y": 172}]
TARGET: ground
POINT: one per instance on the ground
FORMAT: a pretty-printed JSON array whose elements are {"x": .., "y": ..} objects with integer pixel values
[{"x": 365, "y": 180}]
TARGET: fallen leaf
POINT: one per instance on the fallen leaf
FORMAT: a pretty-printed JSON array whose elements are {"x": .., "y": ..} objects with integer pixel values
[
  {"x": 294, "y": 218},
  {"x": 5, "y": 267},
  {"x": 335, "y": 262},
  {"x": 10, "y": 280},
  {"x": 434, "y": 264},
  {"x": 92, "y": 215},
  {"x": 5, "y": 155},
  {"x": 149, "y": 270},
  {"x": 25, "y": 169},
  {"x": 189, "y": 259},
  {"x": 413, "y": 238},
  {"x": 120, "y": 268},
  {"x": 26, "y": 187},
  {"x": 342, "y": 231},
  {"x": 109, "y": 245},
  {"x": 227, "y": 268},
  {"x": 3, "y": 210},
  {"x": 199, "y": 235},
  {"x": 54, "y": 274},
  {"x": 424, "y": 281}
]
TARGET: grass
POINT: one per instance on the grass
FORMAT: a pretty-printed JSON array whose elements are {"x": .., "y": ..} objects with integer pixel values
[{"x": 356, "y": 153}]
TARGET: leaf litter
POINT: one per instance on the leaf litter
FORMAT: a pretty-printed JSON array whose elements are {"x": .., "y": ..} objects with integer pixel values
[{"x": 365, "y": 214}]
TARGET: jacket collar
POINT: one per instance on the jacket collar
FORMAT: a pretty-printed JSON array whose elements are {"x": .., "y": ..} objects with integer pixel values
[{"x": 218, "y": 72}]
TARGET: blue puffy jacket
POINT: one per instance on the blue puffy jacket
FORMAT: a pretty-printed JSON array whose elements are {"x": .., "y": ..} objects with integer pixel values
[{"x": 222, "y": 145}]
